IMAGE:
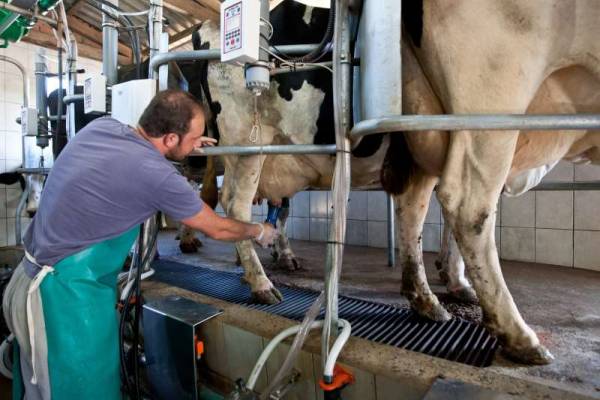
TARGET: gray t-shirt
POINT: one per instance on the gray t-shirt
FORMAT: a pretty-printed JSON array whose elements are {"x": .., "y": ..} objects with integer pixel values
[{"x": 106, "y": 181}]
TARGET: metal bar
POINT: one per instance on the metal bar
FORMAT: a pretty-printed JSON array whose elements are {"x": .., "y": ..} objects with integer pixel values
[
  {"x": 20, "y": 206},
  {"x": 155, "y": 16},
  {"x": 33, "y": 171},
  {"x": 27, "y": 13},
  {"x": 68, "y": 99},
  {"x": 163, "y": 70},
  {"x": 71, "y": 85},
  {"x": 391, "y": 227},
  {"x": 402, "y": 123},
  {"x": 270, "y": 149},
  {"x": 215, "y": 54},
  {"x": 21, "y": 68},
  {"x": 342, "y": 103},
  {"x": 110, "y": 49},
  {"x": 304, "y": 68},
  {"x": 593, "y": 185}
]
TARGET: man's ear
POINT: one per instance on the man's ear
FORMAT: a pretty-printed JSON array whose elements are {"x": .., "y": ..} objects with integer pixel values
[{"x": 171, "y": 140}]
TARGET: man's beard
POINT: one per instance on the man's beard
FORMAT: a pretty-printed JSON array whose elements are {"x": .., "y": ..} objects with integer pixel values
[{"x": 175, "y": 154}]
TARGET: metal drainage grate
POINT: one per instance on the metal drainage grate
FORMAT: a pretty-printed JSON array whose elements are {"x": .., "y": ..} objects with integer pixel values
[{"x": 455, "y": 340}]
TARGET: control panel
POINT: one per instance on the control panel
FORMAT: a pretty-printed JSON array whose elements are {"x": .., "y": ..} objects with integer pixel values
[
  {"x": 94, "y": 94},
  {"x": 240, "y": 31}
]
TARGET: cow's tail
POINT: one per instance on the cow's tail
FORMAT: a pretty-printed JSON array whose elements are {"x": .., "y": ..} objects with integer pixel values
[{"x": 398, "y": 165}]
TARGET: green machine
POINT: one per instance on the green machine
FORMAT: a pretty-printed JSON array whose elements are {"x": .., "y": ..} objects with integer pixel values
[{"x": 13, "y": 24}]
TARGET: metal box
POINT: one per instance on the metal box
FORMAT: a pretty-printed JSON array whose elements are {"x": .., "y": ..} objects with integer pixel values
[
  {"x": 170, "y": 328},
  {"x": 240, "y": 31},
  {"x": 94, "y": 94},
  {"x": 129, "y": 99}
]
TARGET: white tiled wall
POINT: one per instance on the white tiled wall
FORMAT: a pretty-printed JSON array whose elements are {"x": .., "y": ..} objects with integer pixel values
[
  {"x": 552, "y": 227},
  {"x": 11, "y": 100}
]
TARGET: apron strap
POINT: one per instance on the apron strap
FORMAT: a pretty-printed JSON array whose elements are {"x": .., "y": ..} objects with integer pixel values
[{"x": 34, "y": 291}]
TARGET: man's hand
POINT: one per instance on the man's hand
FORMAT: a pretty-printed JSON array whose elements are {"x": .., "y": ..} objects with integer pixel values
[
  {"x": 267, "y": 236},
  {"x": 206, "y": 141}
]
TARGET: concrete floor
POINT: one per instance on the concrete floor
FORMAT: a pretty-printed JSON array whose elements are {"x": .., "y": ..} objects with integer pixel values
[{"x": 561, "y": 304}]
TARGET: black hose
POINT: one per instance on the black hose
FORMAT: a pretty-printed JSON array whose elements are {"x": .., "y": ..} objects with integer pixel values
[
  {"x": 321, "y": 49},
  {"x": 139, "y": 264}
]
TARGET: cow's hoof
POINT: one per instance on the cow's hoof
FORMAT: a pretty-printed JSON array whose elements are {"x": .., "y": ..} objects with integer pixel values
[
  {"x": 271, "y": 296},
  {"x": 433, "y": 311},
  {"x": 190, "y": 246},
  {"x": 287, "y": 264},
  {"x": 465, "y": 295},
  {"x": 538, "y": 355}
]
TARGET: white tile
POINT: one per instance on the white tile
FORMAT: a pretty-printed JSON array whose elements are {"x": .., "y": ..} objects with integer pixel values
[
  {"x": 554, "y": 246},
  {"x": 318, "y": 229},
  {"x": 357, "y": 233},
  {"x": 431, "y": 237},
  {"x": 358, "y": 205},
  {"x": 2, "y": 145},
  {"x": 219, "y": 209},
  {"x": 434, "y": 213},
  {"x": 518, "y": 244},
  {"x": 318, "y": 204},
  {"x": 11, "y": 112},
  {"x": 3, "y": 234},
  {"x": 587, "y": 173},
  {"x": 243, "y": 349},
  {"x": 12, "y": 200},
  {"x": 13, "y": 89},
  {"x": 304, "y": 388},
  {"x": 554, "y": 210},
  {"x": 564, "y": 171},
  {"x": 1, "y": 84},
  {"x": 13, "y": 146},
  {"x": 301, "y": 205},
  {"x": 377, "y": 209},
  {"x": 587, "y": 210},
  {"x": 2, "y": 117},
  {"x": 10, "y": 231},
  {"x": 21, "y": 54},
  {"x": 301, "y": 228},
  {"x": 587, "y": 250},
  {"x": 377, "y": 232},
  {"x": 518, "y": 211},
  {"x": 11, "y": 165},
  {"x": 2, "y": 202}
]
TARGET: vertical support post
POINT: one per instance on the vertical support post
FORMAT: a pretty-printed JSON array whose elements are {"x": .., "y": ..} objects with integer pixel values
[
  {"x": 110, "y": 49},
  {"x": 71, "y": 85},
  {"x": 163, "y": 70},
  {"x": 391, "y": 225},
  {"x": 155, "y": 17},
  {"x": 341, "y": 179},
  {"x": 381, "y": 58},
  {"x": 41, "y": 93},
  {"x": 380, "y": 37}
]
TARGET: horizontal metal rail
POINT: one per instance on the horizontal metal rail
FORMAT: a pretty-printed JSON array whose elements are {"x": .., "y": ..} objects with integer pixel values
[
  {"x": 27, "y": 13},
  {"x": 72, "y": 98},
  {"x": 215, "y": 54},
  {"x": 575, "y": 186},
  {"x": 401, "y": 123},
  {"x": 33, "y": 171},
  {"x": 269, "y": 149}
]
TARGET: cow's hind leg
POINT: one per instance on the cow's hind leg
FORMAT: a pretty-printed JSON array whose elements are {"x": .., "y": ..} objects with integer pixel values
[
  {"x": 476, "y": 169},
  {"x": 411, "y": 209},
  {"x": 451, "y": 269},
  {"x": 237, "y": 197},
  {"x": 282, "y": 251}
]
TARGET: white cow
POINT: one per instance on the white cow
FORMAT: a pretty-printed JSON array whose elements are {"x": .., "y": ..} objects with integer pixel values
[{"x": 490, "y": 57}]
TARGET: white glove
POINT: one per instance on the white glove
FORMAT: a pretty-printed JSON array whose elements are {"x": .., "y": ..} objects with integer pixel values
[{"x": 267, "y": 235}]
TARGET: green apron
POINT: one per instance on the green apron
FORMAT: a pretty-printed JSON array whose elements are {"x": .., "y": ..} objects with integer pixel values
[{"x": 81, "y": 321}]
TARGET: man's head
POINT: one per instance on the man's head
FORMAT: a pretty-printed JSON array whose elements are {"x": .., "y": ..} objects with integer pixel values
[{"x": 174, "y": 123}]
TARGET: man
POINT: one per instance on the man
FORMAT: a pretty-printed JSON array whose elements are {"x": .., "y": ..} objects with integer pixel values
[{"x": 60, "y": 302}]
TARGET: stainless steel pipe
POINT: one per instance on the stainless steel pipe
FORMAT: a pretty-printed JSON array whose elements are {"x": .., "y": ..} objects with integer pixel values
[
  {"x": 269, "y": 149},
  {"x": 401, "y": 123}
]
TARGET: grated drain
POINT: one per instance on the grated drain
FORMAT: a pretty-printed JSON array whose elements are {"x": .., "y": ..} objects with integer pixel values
[{"x": 455, "y": 340}]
